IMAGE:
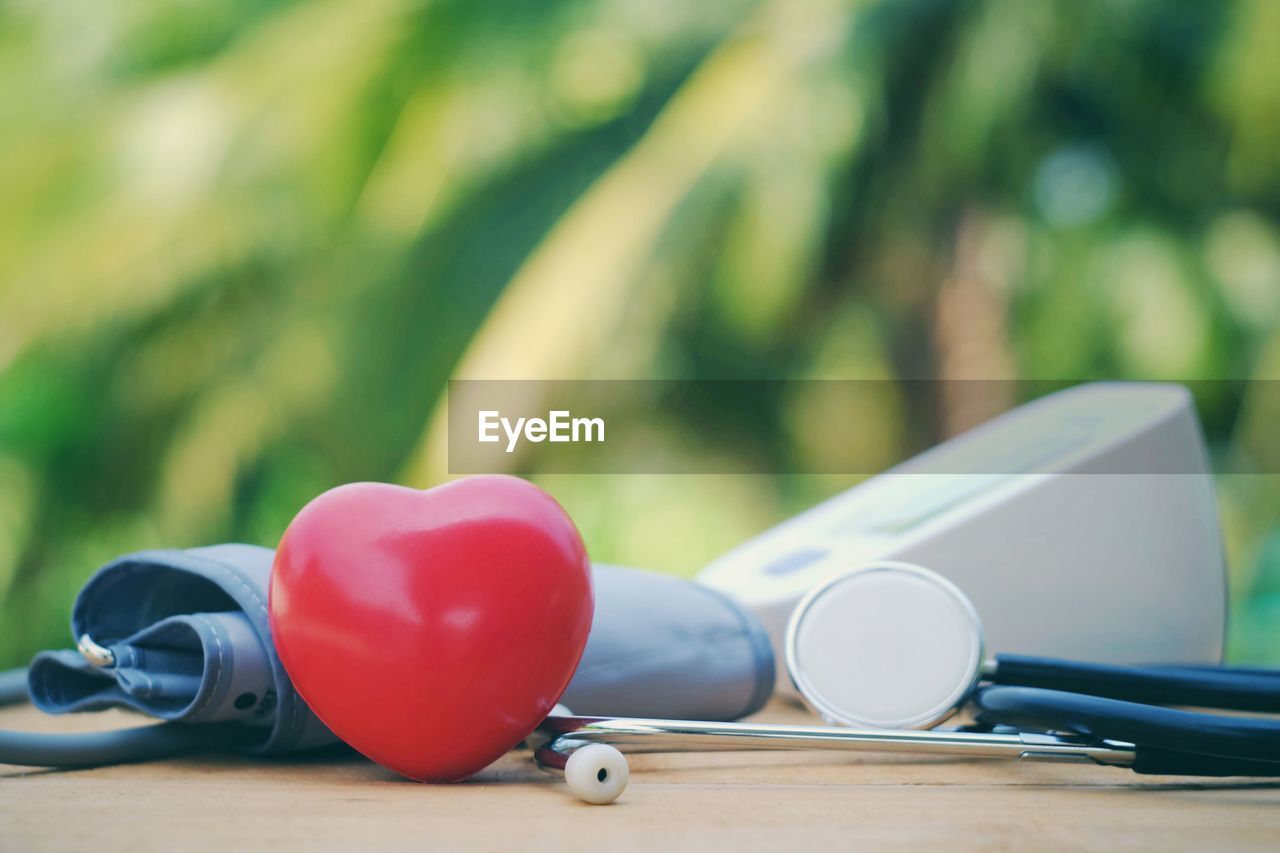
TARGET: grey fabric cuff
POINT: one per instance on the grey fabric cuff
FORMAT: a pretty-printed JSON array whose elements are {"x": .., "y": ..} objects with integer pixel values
[
  {"x": 192, "y": 642},
  {"x": 198, "y": 668},
  {"x": 670, "y": 648}
]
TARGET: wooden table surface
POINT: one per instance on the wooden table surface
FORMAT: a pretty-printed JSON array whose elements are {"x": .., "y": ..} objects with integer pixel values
[{"x": 735, "y": 801}]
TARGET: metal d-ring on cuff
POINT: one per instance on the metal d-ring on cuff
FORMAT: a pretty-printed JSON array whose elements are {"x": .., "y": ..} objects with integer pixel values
[{"x": 94, "y": 653}]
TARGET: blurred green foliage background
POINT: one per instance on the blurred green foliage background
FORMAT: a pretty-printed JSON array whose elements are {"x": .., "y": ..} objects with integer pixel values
[{"x": 243, "y": 245}]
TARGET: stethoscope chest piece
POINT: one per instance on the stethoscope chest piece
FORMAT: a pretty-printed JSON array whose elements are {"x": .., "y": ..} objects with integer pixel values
[{"x": 885, "y": 645}]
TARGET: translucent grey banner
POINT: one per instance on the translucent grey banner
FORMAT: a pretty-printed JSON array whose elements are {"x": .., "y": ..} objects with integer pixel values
[{"x": 863, "y": 427}]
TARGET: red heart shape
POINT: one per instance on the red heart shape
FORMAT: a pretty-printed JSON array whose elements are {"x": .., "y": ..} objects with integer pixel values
[{"x": 431, "y": 631}]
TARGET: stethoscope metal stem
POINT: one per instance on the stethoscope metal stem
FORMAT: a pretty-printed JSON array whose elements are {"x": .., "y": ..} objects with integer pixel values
[{"x": 567, "y": 734}]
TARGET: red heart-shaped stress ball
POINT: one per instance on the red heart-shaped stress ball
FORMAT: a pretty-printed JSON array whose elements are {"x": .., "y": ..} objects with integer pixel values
[{"x": 432, "y": 631}]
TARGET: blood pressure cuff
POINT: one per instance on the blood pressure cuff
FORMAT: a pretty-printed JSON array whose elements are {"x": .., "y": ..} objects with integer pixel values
[
  {"x": 671, "y": 649},
  {"x": 189, "y": 634},
  {"x": 191, "y": 642}
]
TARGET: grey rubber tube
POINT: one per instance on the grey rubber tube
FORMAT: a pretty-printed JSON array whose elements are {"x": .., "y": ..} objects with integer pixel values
[
  {"x": 121, "y": 746},
  {"x": 13, "y": 686}
]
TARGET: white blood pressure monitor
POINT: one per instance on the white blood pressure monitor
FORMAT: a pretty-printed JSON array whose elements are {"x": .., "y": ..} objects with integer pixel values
[{"x": 1082, "y": 525}]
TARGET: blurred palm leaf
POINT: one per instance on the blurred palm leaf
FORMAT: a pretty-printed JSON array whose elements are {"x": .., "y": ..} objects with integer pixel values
[{"x": 245, "y": 245}]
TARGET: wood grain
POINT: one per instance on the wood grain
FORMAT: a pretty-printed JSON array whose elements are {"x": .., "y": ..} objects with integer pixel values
[{"x": 735, "y": 801}]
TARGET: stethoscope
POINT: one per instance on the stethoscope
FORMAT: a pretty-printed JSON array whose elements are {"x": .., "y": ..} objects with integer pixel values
[
  {"x": 889, "y": 647},
  {"x": 879, "y": 650}
]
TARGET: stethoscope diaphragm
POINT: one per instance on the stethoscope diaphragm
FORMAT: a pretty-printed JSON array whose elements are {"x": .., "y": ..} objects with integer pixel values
[{"x": 885, "y": 645}]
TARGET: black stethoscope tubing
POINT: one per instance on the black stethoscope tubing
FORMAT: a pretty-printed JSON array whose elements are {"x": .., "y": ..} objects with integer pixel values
[
  {"x": 1237, "y": 688},
  {"x": 1125, "y": 703}
]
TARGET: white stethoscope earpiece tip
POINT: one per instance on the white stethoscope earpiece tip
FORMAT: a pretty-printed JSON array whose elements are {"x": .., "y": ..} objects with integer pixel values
[
  {"x": 597, "y": 773},
  {"x": 887, "y": 645}
]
